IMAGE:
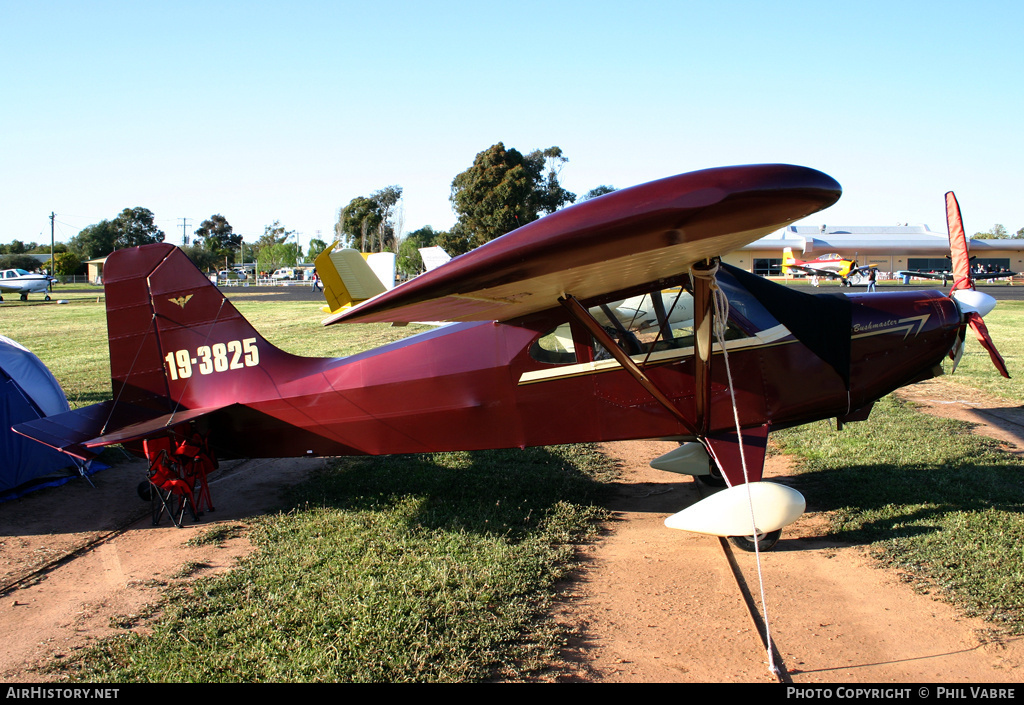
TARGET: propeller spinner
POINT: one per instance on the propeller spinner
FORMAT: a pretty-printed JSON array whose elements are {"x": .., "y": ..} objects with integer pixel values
[{"x": 972, "y": 303}]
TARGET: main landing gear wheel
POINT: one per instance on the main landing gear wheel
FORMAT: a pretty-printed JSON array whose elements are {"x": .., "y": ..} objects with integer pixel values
[
  {"x": 765, "y": 542},
  {"x": 714, "y": 478}
]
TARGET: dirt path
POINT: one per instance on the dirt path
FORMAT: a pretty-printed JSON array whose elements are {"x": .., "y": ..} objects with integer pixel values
[
  {"x": 653, "y": 605},
  {"x": 115, "y": 576},
  {"x": 660, "y": 605}
]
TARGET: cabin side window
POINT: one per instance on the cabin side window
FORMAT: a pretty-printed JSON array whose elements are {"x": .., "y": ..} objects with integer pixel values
[
  {"x": 660, "y": 320},
  {"x": 657, "y": 322},
  {"x": 663, "y": 320},
  {"x": 555, "y": 347}
]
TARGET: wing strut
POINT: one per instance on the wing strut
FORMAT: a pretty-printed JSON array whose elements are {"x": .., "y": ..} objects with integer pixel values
[
  {"x": 581, "y": 314},
  {"x": 703, "y": 322}
]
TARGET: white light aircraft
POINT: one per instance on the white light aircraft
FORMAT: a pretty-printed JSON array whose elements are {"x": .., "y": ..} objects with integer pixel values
[{"x": 18, "y": 281}]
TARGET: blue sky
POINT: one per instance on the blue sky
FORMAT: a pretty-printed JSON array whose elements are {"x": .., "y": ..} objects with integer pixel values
[{"x": 286, "y": 111}]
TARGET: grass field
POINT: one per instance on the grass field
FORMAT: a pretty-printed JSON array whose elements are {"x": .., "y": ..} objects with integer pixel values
[
  {"x": 928, "y": 495},
  {"x": 435, "y": 568},
  {"x": 401, "y": 568}
]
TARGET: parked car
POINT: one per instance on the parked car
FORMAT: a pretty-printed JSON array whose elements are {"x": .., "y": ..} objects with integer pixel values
[
  {"x": 283, "y": 274},
  {"x": 229, "y": 274}
]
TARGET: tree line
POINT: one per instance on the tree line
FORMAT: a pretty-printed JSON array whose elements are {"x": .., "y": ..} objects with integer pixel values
[
  {"x": 999, "y": 232},
  {"x": 133, "y": 226},
  {"x": 214, "y": 244},
  {"x": 502, "y": 190}
]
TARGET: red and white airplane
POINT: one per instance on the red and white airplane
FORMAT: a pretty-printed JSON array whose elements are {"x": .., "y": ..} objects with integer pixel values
[
  {"x": 184, "y": 362},
  {"x": 830, "y": 266}
]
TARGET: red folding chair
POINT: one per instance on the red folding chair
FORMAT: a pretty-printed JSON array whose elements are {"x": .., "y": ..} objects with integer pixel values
[
  {"x": 196, "y": 461},
  {"x": 169, "y": 491}
]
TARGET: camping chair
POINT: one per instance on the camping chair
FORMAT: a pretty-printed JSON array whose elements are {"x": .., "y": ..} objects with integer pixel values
[
  {"x": 194, "y": 457},
  {"x": 169, "y": 492}
]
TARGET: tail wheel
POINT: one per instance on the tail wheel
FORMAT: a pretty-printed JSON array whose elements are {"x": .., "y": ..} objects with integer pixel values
[{"x": 764, "y": 542}]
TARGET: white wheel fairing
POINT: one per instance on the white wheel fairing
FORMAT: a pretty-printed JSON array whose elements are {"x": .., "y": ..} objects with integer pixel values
[{"x": 727, "y": 513}]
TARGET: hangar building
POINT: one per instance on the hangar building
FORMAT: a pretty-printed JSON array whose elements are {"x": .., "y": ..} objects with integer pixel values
[{"x": 890, "y": 249}]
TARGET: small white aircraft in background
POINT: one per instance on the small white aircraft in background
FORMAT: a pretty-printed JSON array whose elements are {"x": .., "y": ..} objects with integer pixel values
[
  {"x": 434, "y": 257},
  {"x": 18, "y": 281}
]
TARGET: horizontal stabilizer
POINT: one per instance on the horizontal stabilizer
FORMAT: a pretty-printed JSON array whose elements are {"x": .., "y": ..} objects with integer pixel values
[
  {"x": 150, "y": 427},
  {"x": 69, "y": 432},
  {"x": 83, "y": 431}
]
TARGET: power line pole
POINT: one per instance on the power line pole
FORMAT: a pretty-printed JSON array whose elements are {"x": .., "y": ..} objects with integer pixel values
[
  {"x": 184, "y": 231},
  {"x": 51, "y": 268}
]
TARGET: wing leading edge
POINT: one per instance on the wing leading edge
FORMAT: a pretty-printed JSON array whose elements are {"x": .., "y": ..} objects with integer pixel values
[{"x": 623, "y": 239}]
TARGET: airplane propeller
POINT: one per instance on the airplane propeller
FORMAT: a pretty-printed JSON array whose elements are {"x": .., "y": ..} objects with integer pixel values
[{"x": 972, "y": 303}]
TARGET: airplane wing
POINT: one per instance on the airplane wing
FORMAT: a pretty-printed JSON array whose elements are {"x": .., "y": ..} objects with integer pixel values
[
  {"x": 924, "y": 275},
  {"x": 23, "y": 285},
  {"x": 992, "y": 275},
  {"x": 947, "y": 276},
  {"x": 626, "y": 238}
]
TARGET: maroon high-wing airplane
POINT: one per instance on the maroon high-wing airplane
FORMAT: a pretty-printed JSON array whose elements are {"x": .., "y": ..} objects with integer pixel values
[{"x": 540, "y": 349}]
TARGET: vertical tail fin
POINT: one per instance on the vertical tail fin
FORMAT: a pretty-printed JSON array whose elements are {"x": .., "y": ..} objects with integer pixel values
[
  {"x": 181, "y": 353},
  {"x": 175, "y": 340},
  {"x": 787, "y": 259}
]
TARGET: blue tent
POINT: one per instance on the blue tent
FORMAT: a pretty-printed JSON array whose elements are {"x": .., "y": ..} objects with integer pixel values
[{"x": 28, "y": 391}]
